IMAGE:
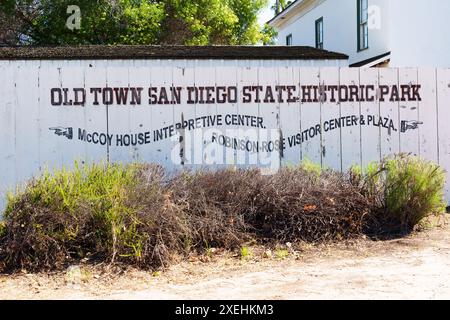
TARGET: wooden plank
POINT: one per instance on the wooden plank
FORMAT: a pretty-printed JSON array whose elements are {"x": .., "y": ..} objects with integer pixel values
[
  {"x": 162, "y": 116},
  {"x": 183, "y": 143},
  {"x": 290, "y": 115},
  {"x": 26, "y": 95},
  {"x": 409, "y": 115},
  {"x": 120, "y": 126},
  {"x": 247, "y": 77},
  {"x": 94, "y": 114},
  {"x": 428, "y": 133},
  {"x": 269, "y": 111},
  {"x": 350, "y": 135},
  {"x": 140, "y": 114},
  {"x": 206, "y": 111},
  {"x": 390, "y": 138},
  {"x": 310, "y": 116},
  {"x": 330, "y": 111},
  {"x": 78, "y": 117},
  {"x": 227, "y": 74},
  {"x": 7, "y": 132},
  {"x": 443, "y": 98},
  {"x": 270, "y": 76},
  {"x": 374, "y": 124},
  {"x": 49, "y": 118}
]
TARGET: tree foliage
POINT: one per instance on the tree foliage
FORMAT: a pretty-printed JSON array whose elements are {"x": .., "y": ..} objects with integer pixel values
[
  {"x": 190, "y": 22},
  {"x": 280, "y": 5}
]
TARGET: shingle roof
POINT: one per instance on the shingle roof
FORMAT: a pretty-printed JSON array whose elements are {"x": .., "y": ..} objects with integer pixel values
[{"x": 167, "y": 52}]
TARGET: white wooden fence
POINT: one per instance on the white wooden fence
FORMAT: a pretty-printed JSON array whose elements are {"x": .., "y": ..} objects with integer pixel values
[{"x": 191, "y": 113}]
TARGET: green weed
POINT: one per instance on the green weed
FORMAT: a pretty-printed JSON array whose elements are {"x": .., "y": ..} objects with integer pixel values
[
  {"x": 281, "y": 253},
  {"x": 408, "y": 190},
  {"x": 246, "y": 253}
]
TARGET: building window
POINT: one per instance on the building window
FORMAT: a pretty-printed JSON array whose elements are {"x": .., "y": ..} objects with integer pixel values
[
  {"x": 363, "y": 24},
  {"x": 319, "y": 33},
  {"x": 289, "y": 40}
]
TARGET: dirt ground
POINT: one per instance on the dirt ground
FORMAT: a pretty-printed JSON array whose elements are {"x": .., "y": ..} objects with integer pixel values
[{"x": 415, "y": 267}]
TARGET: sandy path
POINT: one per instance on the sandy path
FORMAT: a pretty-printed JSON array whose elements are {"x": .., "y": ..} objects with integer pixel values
[{"x": 417, "y": 267}]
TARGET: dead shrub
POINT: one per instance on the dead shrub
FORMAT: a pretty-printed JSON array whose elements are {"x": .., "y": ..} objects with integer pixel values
[
  {"x": 229, "y": 207},
  {"x": 215, "y": 204},
  {"x": 159, "y": 228},
  {"x": 139, "y": 215},
  {"x": 298, "y": 204}
]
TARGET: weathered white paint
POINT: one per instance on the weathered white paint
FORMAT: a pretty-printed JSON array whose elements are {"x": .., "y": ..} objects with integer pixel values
[
  {"x": 414, "y": 31},
  {"x": 27, "y": 115}
]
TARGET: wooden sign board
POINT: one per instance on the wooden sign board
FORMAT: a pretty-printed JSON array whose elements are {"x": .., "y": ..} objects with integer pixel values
[{"x": 216, "y": 113}]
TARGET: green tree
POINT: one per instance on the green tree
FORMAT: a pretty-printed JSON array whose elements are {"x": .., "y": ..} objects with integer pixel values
[
  {"x": 247, "y": 30},
  {"x": 103, "y": 21},
  {"x": 280, "y": 5},
  {"x": 191, "y": 22},
  {"x": 198, "y": 22}
]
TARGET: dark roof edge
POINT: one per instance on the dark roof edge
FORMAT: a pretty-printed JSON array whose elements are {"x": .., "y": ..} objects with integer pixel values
[
  {"x": 282, "y": 11},
  {"x": 364, "y": 62},
  {"x": 102, "y": 52}
]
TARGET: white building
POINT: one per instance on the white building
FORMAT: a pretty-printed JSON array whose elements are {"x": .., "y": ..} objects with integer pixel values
[{"x": 394, "y": 33}]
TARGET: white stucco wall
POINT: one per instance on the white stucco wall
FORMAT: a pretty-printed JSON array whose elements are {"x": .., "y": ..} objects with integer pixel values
[
  {"x": 419, "y": 34},
  {"x": 340, "y": 28}
]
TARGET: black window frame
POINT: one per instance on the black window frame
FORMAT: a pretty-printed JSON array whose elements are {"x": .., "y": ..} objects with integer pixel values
[
  {"x": 362, "y": 26},
  {"x": 289, "y": 40},
  {"x": 319, "y": 33}
]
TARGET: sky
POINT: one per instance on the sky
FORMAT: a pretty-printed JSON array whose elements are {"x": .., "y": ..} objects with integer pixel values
[{"x": 267, "y": 14}]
